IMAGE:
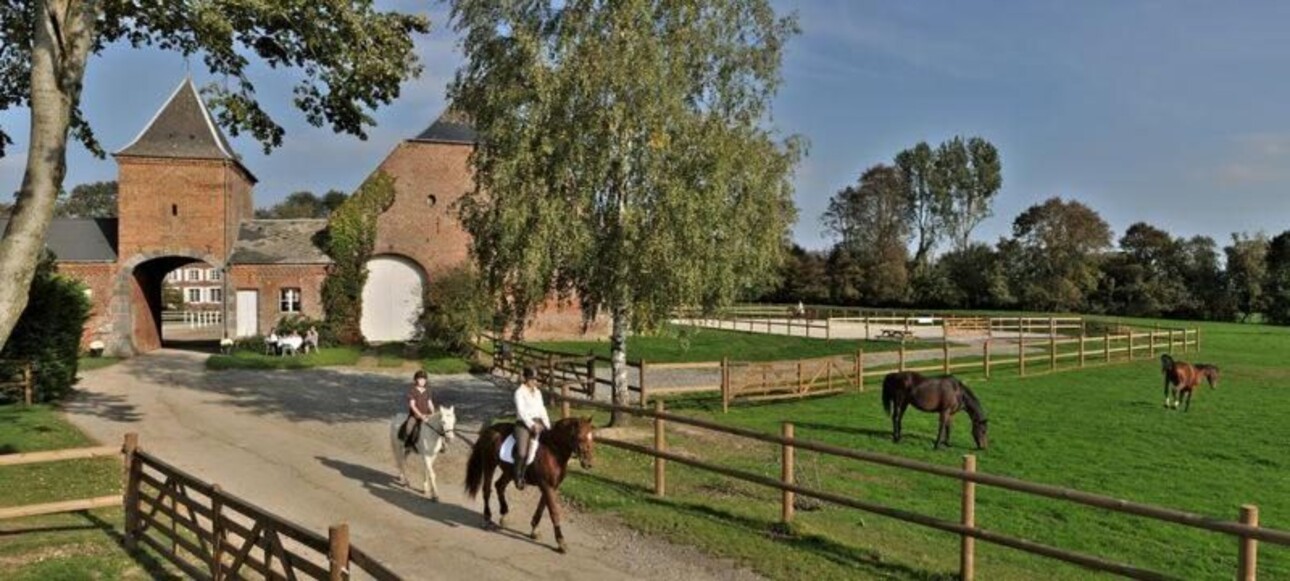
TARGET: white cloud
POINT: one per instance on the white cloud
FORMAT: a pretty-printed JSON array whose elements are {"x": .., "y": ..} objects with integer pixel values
[{"x": 1256, "y": 158}]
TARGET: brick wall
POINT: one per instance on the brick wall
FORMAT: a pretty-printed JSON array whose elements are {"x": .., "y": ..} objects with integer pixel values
[
  {"x": 421, "y": 224},
  {"x": 269, "y": 280},
  {"x": 178, "y": 204},
  {"x": 99, "y": 277}
]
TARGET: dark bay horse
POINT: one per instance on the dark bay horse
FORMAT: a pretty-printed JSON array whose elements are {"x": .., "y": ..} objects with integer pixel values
[
  {"x": 1181, "y": 379},
  {"x": 567, "y": 438},
  {"x": 945, "y": 395}
]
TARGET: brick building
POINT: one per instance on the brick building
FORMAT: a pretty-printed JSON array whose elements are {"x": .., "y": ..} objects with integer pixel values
[{"x": 185, "y": 201}]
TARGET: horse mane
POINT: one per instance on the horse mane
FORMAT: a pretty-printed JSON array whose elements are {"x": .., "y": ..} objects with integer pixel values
[
  {"x": 1166, "y": 362},
  {"x": 971, "y": 403}
]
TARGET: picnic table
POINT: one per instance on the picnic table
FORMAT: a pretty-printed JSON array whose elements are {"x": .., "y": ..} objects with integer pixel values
[{"x": 894, "y": 334}]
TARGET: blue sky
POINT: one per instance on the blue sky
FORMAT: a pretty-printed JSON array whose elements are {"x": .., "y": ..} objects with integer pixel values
[{"x": 1172, "y": 112}]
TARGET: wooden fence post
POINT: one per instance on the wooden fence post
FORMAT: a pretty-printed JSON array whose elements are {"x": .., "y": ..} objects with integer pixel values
[
  {"x": 1081, "y": 345},
  {"x": 1021, "y": 350},
  {"x": 1106, "y": 346},
  {"x": 338, "y": 552},
  {"x": 217, "y": 531},
  {"x": 1130, "y": 344},
  {"x": 1052, "y": 352},
  {"x": 1152, "y": 340},
  {"x": 800, "y": 386},
  {"x": 591, "y": 374},
  {"x": 945, "y": 349},
  {"x": 564, "y": 400},
  {"x": 1052, "y": 327},
  {"x": 967, "y": 547},
  {"x": 902, "y": 354},
  {"x": 130, "y": 482},
  {"x": 1171, "y": 340},
  {"x": 27, "y": 386},
  {"x": 860, "y": 370},
  {"x": 641, "y": 377},
  {"x": 725, "y": 384},
  {"x": 660, "y": 445},
  {"x": 1248, "y": 562},
  {"x": 985, "y": 358},
  {"x": 1198, "y": 339},
  {"x": 787, "y": 475},
  {"x": 866, "y": 328}
]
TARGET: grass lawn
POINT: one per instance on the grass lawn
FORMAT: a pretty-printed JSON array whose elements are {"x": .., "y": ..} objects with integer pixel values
[
  {"x": 252, "y": 359},
  {"x": 92, "y": 363},
  {"x": 1101, "y": 430},
  {"x": 687, "y": 344},
  {"x": 66, "y": 546}
]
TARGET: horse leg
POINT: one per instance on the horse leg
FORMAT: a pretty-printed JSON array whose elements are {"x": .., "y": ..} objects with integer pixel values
[
  {"x": 1166, "y": 390},
  {"x": 430, "y": 485},
  {"x": 553, "y": 504},
  {"x": 488, "y": 496},
  {"x": 1189, "y": 392},
  {"x": 949, "y": 423},
  {"x": 898, "y": 419},
  {"x": 396, "y": 447},
  {"x": 503, "y": 507},
  {"x": 537, "y": 518}
]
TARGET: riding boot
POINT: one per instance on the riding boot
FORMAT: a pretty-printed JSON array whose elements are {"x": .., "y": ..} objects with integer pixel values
[
  {"x": 413, "y": 427},
  {"x": 520, "y": 453}
]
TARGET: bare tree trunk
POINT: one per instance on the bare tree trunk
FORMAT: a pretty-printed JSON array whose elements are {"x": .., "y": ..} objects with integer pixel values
[
  {"x": 64, "y": 31},
  {"x": 618, "y": 358}
]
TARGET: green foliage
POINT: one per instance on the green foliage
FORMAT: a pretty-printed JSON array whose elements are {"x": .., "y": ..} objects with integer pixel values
[
  {"x": 624, "y": 158},
  {"x": 251, "y": 356},
  {"x": 93, "y": 200},
  {"x": 1247, "y": 272},
  {"x": 48, "y": 333},
  {"x": 351, "y": 57},
  {"x": 303, "y": 204},
  {"x": 1277, "y": 303},
  {"x": 949, "y": 190},
  {"x": 300, "y": 324},
  {"x": 456, "y": 310},
  {"x": 1054, "y": 254},
  {"x": 349, "y": 240}
]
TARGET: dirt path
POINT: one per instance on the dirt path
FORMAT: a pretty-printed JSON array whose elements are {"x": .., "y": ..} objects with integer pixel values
[{"x": 312, "y": 446}]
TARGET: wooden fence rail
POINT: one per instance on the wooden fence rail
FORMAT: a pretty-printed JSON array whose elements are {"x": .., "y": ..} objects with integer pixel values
[
  {"x": 22, "y": 381},
  {"x": 1246, "y": 531},
  {"x": 209, "y": 533}
]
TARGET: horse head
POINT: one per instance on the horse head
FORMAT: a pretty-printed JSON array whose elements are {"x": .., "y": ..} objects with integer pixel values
[
  {"x": 447, "y": 423},
  {"x": 980, "y": 433},
  {"x": 1166, "y": 362},
  {"x": 586, "y": 442}
]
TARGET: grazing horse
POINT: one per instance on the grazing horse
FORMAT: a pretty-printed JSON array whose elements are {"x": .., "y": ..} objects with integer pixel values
[
  {"x": 945, "y": 395},
  {"x": 436, "y": 432},
  {"x": 1182, "y": 379},
  {"x": 567, "y": 438}
]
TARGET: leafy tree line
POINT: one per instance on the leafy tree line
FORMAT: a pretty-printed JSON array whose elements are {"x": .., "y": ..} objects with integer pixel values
[{"x": 1061, "y": 256}]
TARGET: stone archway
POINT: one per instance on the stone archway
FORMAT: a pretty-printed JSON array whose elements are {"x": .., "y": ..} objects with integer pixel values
[
  {"x": 392, "y": 298},
  {"x": 137, "y": 302}
]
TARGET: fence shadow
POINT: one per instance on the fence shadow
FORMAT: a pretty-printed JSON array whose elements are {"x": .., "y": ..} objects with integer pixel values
[{"x": 866, "y": 563}]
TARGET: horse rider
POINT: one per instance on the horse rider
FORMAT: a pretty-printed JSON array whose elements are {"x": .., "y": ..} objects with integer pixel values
[
  {"x": 531, "y": 421},
  {"x": 419, "y": 409}
]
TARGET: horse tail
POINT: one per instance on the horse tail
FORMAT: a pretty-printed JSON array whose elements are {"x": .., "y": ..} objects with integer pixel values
[
  {"x": 479, "y": 463},
  {"x": 889, "y": 387}
]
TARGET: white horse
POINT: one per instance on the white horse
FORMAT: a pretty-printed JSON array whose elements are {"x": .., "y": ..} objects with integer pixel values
[{"x": 436, "y": 432}]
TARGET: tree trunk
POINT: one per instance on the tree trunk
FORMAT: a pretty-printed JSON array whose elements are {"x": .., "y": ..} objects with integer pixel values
[
  {"x": 618, "y": 357},
  {"x": 63, "y": 35}
]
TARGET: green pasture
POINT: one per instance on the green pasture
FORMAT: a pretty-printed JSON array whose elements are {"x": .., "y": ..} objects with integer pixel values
[
  {"x": 82, "y": 545},
  {"x": 1102, "y": 429}
]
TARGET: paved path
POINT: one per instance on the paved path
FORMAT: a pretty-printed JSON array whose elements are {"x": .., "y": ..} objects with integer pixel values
[{"x": 312, "y": 446}]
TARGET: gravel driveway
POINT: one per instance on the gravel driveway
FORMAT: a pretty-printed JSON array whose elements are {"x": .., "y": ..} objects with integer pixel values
[{"x": 312, "y": 446}]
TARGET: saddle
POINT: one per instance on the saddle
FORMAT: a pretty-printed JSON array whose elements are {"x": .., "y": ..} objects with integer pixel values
[{"x": 507, "y": 453}]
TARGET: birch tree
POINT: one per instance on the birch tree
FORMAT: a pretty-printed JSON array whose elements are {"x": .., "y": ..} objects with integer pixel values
[{"x": 626, "y": 159}]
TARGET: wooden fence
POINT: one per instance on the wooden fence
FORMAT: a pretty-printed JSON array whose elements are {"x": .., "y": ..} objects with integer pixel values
[
  {"x": 22, "y": 380},
  {"x": 65, "y": 505},
  {"x": 769, "y": 380},
  {"x": 1246, "y": 530},
  {"x": 558, "y": 367}
]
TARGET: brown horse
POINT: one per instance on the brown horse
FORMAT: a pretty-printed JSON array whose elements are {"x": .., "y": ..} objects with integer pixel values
[
  {"x": 1182, "y": 379},
  {"x": 945, "y": 395},
  {"x": 567, "y": 438}
]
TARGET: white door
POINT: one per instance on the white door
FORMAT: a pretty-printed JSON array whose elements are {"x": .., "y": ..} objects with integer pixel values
[
  {"x": 391, "y": 299},
  {"x": 248, "y": 313}
]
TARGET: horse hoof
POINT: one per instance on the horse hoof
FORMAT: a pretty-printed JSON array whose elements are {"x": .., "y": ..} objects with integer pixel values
[
  {"x": 561, "y": 547},
  {"x": 501, "y": 523},
  {"x": 434, "y": 499},
  {"x": 535, "y": 535}
]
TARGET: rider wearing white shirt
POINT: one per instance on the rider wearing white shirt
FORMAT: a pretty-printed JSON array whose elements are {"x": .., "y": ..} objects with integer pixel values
[{"x": 532, "y": 420}]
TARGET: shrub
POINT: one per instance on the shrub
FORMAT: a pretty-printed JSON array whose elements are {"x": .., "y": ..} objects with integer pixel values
[
  {"x": 456, "y": 311},
  {"x": 301, "y": 323},
  {"x": 349, "y": 240},
  {"x": 48, "y": 334}
]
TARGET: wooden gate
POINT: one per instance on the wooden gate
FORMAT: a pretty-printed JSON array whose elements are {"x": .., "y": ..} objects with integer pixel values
[{"x": 759, "y": 381}]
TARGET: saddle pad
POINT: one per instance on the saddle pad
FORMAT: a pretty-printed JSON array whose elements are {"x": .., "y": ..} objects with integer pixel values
[{"x": 507, "y": 453}]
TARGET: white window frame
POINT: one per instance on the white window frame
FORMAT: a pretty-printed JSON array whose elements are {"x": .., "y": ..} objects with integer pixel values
[
  {"x": 211, "y": 292},
  {"x": 188, "y": 295},
  {"x": 286, "y": 304},
  {"x": 193, "y": 275}
]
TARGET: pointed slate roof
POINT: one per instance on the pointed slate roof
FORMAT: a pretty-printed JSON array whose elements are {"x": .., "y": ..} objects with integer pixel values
[
  {"x": 451, "y": 127},
  {"x": 182, "y": 129},
  {"x": 279, "y": 242},
  {"x": 80, "y": 239}
]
